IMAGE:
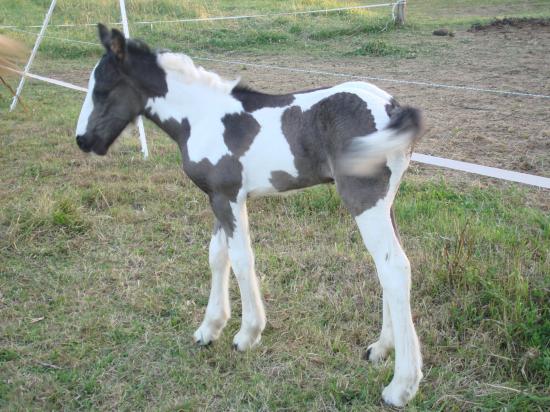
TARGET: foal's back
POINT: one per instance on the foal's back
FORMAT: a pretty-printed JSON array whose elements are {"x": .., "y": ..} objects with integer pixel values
[{"x": 302, "y": 135}]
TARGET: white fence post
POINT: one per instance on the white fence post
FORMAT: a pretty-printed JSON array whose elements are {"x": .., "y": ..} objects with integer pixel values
[
  {"x": 141, "y": 128},
  {"x": 33, "y": 54}
]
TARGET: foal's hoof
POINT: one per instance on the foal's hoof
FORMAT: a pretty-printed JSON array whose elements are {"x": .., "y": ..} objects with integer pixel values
[
  {"x": 202, "y": 343},
  {"x": 244, "y": 341},
  {"x": 401, "y": 391},
  {"x": 395, "y": 396},
  {"x": 366, "y": 355},
  {"x": 376, "y": 352},
  {"x": 204, "y": 336}
]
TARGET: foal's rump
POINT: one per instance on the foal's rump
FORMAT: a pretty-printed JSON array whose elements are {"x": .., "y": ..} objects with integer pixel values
[
  {"x": 364, "y": 155},
  {"x": 358, "y": 126}
]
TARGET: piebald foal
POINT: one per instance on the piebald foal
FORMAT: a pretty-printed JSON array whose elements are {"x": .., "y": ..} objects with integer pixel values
[{"x": 238, "y": 143}]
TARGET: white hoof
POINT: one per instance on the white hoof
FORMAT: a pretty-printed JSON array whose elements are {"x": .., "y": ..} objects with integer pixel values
[
  {"x": 245, "y": 340},
  {"x": 400, "y": 390},
  {"x": 377, "y": 352},
  {"x": 207, "y": 333}
]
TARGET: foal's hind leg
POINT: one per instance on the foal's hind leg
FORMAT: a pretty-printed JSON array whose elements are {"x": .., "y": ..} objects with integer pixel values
[
  {"x": 394, "y": 274},
  {"x": 218, "y": 310},
  {"x": 380, "y": 349},
  {"x": 370, "y": 199}
]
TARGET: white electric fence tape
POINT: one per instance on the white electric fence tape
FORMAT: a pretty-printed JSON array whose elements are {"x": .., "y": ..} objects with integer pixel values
[
  {"x": 88, "y": 43},
  {"x": 255, "y": 16},
  {"x": 47, "y": 79},
  {"x": 325, "y": 73},
  {"x": 502, "y": 174}
]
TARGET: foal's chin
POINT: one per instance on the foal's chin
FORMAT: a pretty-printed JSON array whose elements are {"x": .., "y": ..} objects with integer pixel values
[
  {"x": 100, "y": 147},
  {"x": 100, "y": 151}
]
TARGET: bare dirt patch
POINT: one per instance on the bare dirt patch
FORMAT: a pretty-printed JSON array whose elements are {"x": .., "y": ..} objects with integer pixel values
[{"x": 520, "y": 23}]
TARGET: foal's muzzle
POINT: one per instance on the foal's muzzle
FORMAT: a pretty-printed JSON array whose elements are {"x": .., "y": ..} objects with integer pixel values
[
  {"x": 89, "y": 143},
  {"x": 84, "y": 143}
]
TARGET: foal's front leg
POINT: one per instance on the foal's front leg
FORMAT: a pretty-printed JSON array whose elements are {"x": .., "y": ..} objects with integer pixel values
[
  {"x": 242, "y": 261},
  {"x": 218, "y": 310}
]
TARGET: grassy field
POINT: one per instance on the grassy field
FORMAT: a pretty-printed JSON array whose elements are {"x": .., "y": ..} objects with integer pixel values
[
  {"x": 103, "y": 261},
  {"x": 357, "y": 32}
]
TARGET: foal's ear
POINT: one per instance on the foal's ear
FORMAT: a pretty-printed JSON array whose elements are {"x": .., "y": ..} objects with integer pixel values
[
  {"x": 104, "y": 36},
  {"x": 118, "y": 44}
]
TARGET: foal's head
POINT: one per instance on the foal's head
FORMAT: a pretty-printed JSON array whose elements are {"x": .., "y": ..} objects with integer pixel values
[{"x": 120, "y": 84}]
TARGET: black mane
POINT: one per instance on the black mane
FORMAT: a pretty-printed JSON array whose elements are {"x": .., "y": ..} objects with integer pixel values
[
  {"x": 138, "y": 46},
  {"x": 254, "y": 100},
  {"x": 244, "y": 88}
]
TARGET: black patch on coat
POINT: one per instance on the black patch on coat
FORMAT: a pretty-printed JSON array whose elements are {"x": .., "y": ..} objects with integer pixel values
[
  {"x": 318, "y": 136},
  {"x": 143, "y": 68},
  {"x": 240, "y": 131},
  {"x": 362, "y": 193},
  {"x": 178, "y": 131},
  {"x": 284, "y": 181},
  {"x": 253, "y": 100},
  {"x": 217, "y": 227},
  {"x": 221, "y": 182}
]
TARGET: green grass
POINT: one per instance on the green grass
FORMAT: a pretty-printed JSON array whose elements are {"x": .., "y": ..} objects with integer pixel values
[
  {"x": 112, "y": 254},
  {"x": 381, "y": 48},
  {"x": 266, "y": 34},
  {"x": 104, "y": 271},
  {"x": 355, "y": 32}
]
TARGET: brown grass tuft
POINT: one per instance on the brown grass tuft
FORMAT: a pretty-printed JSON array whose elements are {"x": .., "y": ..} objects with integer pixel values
[{"x": 11, "y": 52}]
